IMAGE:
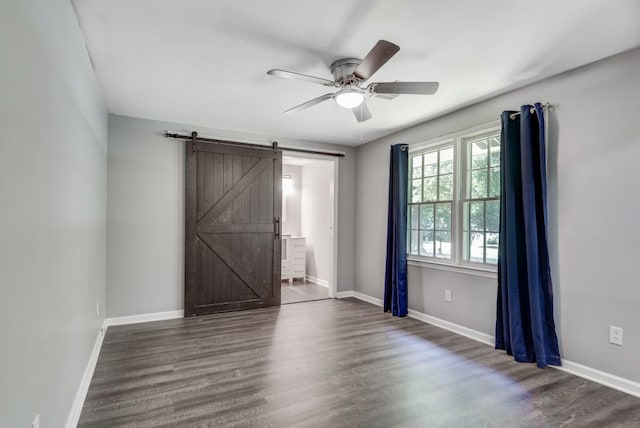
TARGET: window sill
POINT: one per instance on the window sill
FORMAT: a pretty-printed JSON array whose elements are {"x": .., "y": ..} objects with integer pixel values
[{"x": 467, "y": 270}]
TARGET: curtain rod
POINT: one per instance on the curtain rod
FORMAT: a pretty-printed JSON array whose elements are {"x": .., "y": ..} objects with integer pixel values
[
  {"x": 274, "y": 146},
  {"x": 546, "y": 106}
]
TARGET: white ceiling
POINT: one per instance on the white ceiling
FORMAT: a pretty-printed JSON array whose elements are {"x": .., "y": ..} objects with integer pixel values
[{"x": 204, "y": 62}]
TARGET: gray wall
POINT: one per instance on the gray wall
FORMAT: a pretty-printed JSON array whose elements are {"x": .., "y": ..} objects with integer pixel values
[
  {"x": 145, "y": 217},
  {"x": 53, "y": 211},
  {"x": 291, "y": 225},
  {"x": 593, "y": 150},
  {"x": 317, "y": 218}
]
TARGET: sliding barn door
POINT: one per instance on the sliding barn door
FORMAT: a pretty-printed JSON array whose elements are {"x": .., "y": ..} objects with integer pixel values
[{"x": 233, "y": 205}]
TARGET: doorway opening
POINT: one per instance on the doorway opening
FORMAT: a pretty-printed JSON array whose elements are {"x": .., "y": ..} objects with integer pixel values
[{"x": 309, "y": 212}]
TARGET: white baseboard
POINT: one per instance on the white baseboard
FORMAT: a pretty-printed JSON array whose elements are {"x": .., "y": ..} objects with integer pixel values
[
  {"x": 318, "y": 281},
  {"x": 344, "y": 294},
  {"x": 456, "y": 328},
  {"x": 85, "y": 381},
  {"x": 369, "y": 299},
  {"x": 603, "y": 378},
  {"x": 135, "y": 319}
]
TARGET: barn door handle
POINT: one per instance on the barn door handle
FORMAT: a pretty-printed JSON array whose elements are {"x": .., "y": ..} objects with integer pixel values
[{"x": 276, "y": 223}]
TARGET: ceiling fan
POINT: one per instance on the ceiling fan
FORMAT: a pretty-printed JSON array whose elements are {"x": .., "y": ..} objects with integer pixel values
[{"x": 349, "y": 74}]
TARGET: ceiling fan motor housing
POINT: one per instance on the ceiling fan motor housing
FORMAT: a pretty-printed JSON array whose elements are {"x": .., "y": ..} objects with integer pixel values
[{"x": 343, "y": 69}]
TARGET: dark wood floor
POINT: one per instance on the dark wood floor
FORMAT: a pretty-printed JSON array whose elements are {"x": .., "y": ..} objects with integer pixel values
[
  {"x": 330, "y": 363},
  {"x": 302, "y": 291}
]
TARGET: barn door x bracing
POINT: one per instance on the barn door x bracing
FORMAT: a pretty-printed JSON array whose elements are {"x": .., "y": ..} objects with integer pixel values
[{"x": 233, "y": 205}]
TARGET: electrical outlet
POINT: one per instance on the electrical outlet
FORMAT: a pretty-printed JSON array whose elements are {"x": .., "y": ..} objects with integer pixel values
[
  {"x": 36, "y": 422},
  {"x": 97, "y": 310},
  {"x": 447, "y": 295},
  {"x": 615, "y": 335}
]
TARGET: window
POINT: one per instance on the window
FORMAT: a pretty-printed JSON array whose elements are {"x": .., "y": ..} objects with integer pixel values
[
  {"x": 431, "y": 203},
  {"x": 481, "y": 201},
  {"x": 454, "y": 200}
]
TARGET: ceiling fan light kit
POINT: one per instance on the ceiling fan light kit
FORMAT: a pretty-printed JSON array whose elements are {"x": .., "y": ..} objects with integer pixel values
[
  {"x": 349, "y": 98},
  {"x": 349, "y": 74}
]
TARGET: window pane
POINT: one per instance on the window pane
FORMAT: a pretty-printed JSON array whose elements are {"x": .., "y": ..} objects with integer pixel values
[
  {"x": 413, "y": 245},
  {"x": 430, "y": 189},
  {"x": 426, "y": 217},
  {"x": 443, "y": 244},
  {"x": 476, "y": 247},
  {"x": 413, "y": 217},
  {"x": 476, "y": 216},
  {"x": 479, "y": 154},
  {"x": 492, "y": 248},
  {"x": 494, "y": 148},
  {"x": 493, "y": 216},
  {"x": 446, "y": 161},
  {"x": 416, "y": 166},
  {"x": 443, "y": 217},
  {"x": 416, "y": 161},
  {"x": 430, "y": 164},
  {"x": 478, "y": 183},
  {"x": 426, "y": 243},
  {"x": 416, "y": 191},
  {"x": 446, "y": 188},
  {"x": 494, "y": 182}
]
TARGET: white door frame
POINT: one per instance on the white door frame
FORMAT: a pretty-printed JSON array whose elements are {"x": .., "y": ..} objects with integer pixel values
[{"x": 333, "y": 283}]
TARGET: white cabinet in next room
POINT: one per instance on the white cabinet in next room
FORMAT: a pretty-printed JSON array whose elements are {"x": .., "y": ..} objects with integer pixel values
[{"x": 293, "y": 257}]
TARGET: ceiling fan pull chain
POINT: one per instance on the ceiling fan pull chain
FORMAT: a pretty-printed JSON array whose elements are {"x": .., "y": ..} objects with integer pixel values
[{"x": 361, "y": 124}]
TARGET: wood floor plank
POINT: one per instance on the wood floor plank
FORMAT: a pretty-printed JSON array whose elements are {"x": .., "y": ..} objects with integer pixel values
[
  {"x": 302, "y": 291},
  {"x": 330, "y": 363}
]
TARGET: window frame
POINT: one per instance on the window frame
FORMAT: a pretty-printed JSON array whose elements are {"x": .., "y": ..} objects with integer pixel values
[{"x": 456, "y": 263}]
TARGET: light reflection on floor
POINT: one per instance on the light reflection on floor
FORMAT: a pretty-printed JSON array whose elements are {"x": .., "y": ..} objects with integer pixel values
[
  {"x": 469, "y": 387},
  {"x": 433, "y": 384}
]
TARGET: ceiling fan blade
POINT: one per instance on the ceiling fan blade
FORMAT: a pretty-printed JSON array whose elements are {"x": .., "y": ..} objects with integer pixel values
[
  {"x": 298, "y": 76},
  {"x": 311, "y": 103},
  {"x": 417, "y": 88},
  {"x": 376, "y": 58},
  {"x": 362, "y": 112}
]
